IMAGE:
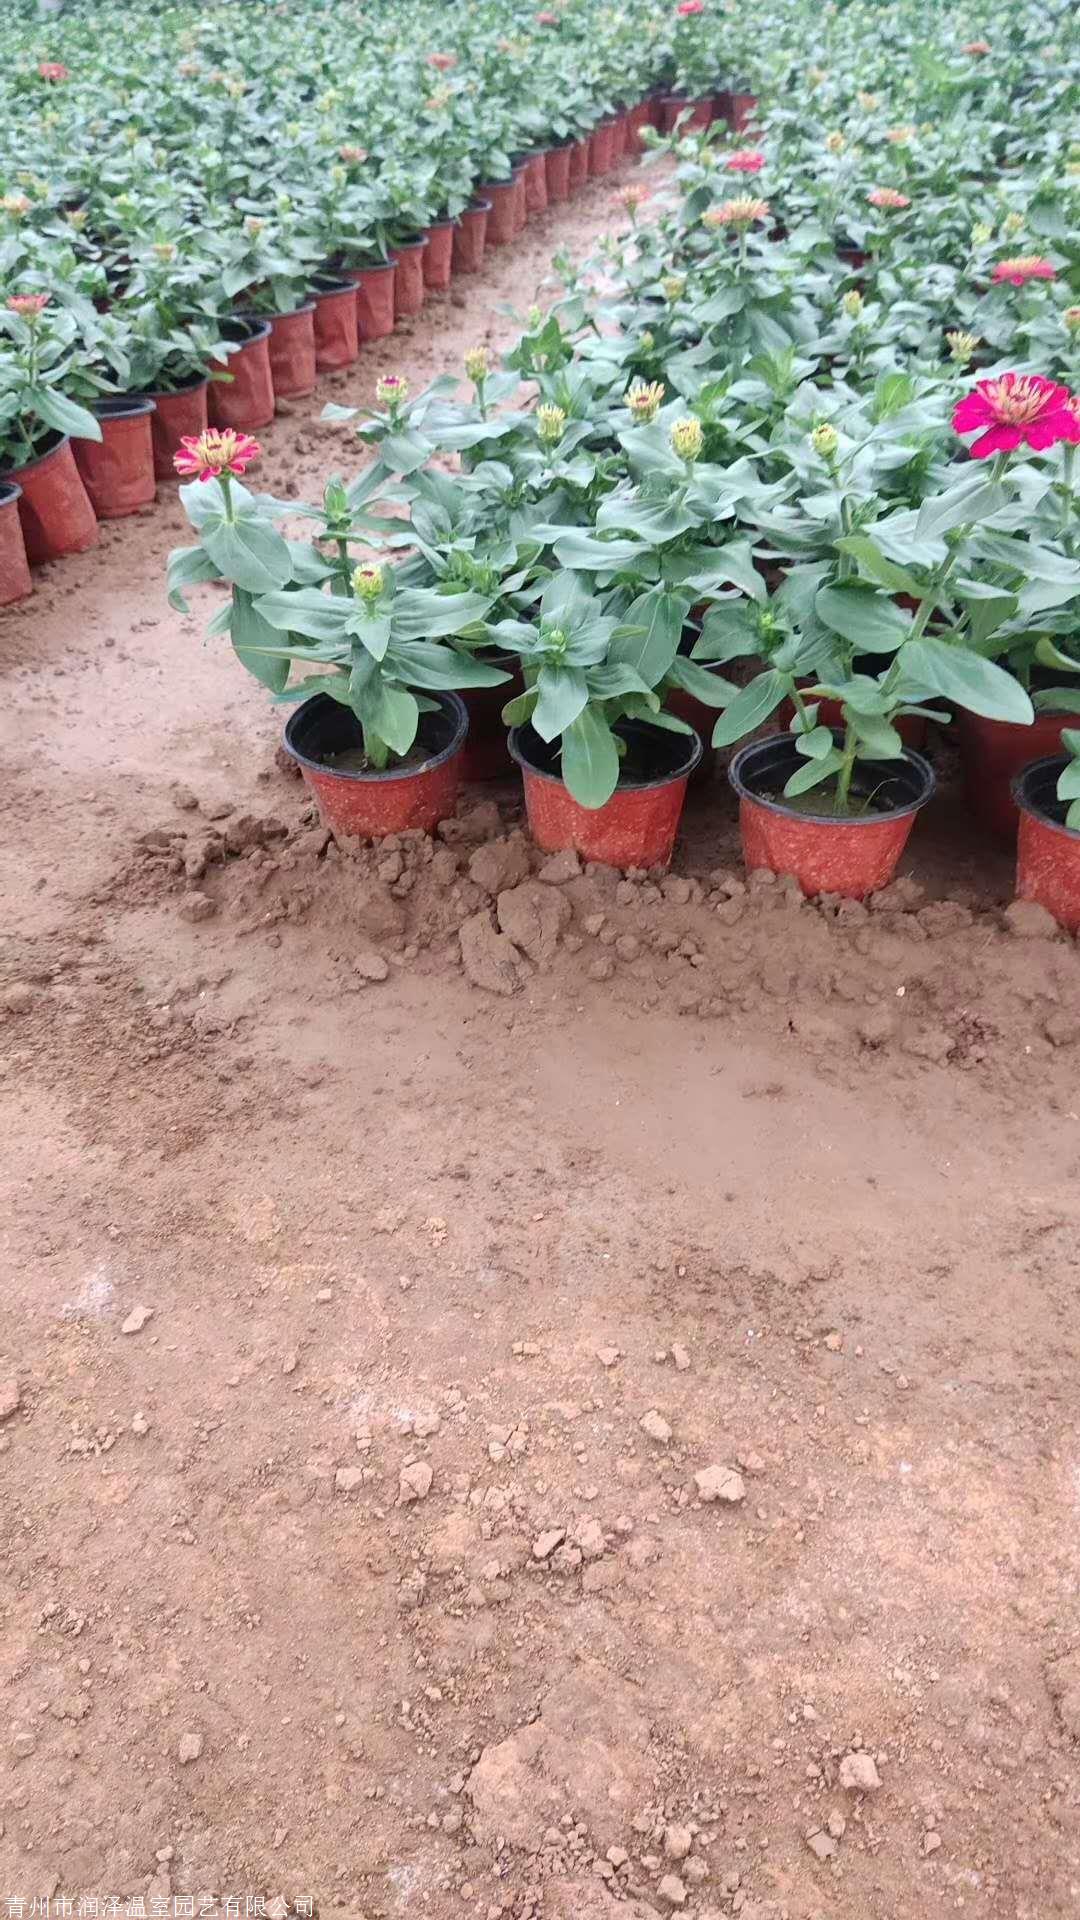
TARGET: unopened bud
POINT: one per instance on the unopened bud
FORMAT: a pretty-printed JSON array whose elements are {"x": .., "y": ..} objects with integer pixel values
[{"x": 825, "y": 441}]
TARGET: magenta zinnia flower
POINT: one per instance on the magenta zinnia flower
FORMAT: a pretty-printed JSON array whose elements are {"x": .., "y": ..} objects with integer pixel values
[
  {"x": 27, "y": 304},
  {"x": 53, "y": 70},
  {"x": 1025, "y": 266},
  {"x": 1018, "y": 409},
  {"x": 745, "y": 161},
  {"x": 888, "y": 197},
  {"x": 219, "y": 450},
  {"x": 687, "y": 7}
]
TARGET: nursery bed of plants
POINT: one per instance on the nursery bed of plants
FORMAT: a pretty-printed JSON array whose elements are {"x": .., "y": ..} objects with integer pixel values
[{"x": 534, "y": 1383}]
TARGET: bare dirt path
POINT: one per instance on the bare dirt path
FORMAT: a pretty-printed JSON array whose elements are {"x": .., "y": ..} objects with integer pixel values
[{"x": 606, "y": 1443}]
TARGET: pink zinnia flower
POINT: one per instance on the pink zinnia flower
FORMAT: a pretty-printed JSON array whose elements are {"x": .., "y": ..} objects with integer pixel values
[
  {"x": 53, "y": 70},
  {"x": 888, "y": 197},
  {"x": 976, "y": 47},
  {"x": 28, "y": 304},
  {"x": 745, "y": 161},
  {"x": 1018, "y": 409},
  {"x": 686, "y": 7},
  {"x": 547, "y": 19},
  {"x": 444, "y": 62},
  {"x": 218, "y": 450},
  {"x": 1026, "y": 266}
]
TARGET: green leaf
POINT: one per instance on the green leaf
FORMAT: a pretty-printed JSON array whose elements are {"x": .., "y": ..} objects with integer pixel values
[
  {"x": 817, "y": 744},
  {"x": 710, "y": 688},
  {"x": 877, "y": 734},
  {"x": 1057, "y": 700},
  {"x": 590, "y": 759},
  {"x": 517, "y": 711},
  {"x": 425, "y": 613},
  {"x": 750, "y": 708},
  {"x": 971, "y": 500},
  {"x": 814, "y": 773},
  {"x": 563, "y": 693},
  {"x": 249, "y": 630},
  {"x": 872, "y": 622},
  {"x": 65, "y": 415},
  {"x": 873, "y": 563},
  {"x": 249, "y": 553},
  {"x": 647, "y": 638},
  {"x": 579, "y": 550},
  {"x": 391, "y": 712},
  {"x": 187, "y": 567},
  {"x": 373, "y": 632},
  {"x": 317, "y": 615},
  {"x": 931, "y": 666}
]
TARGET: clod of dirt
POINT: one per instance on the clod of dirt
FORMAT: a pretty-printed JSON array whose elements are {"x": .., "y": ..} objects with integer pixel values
[
  {"x": 1028, "y": 921},
  {"x": 671, "y": 1891},
  {"x": 1063, "y": 1680},
  {"x": 18, "y": 998},
  {"x": 546, "y": 1543},
  {"x": 9, "y": 1397},
  {"x": 136, "y": 1319},
  {"x": 183, "y": 797},
  {"x": 678, "y": 1841},
  {"x": 349, "y": 1479},
  {"x": 499, "y": 864},
  {"x": 189, "y": 1748},
  {"x": 370, "y": 966},
  {"x": 558, "y": 868},
  {"x": 414, "y": 1482},
  {"x": 858, "y": 1774},
  {"x": 533, "y": 917},
  {"x": 719, "y": 1483},
  {"x": 587, "y": 1900},
  {"x": 654, "y": 1424},
  {"x": 196, "y": 907},
  {"x": 822, "y": 1845},
  {"x": 490, "y": 960}
]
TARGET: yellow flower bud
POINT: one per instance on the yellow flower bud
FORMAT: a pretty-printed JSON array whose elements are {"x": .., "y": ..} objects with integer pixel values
[
  {"x": 687, "y": 439},
  {"x": 550, "y": 422},
  {"x": 825, "y": 440},
  {"x": 368, "y": 583},
  {"x": 477, "y": 365}
]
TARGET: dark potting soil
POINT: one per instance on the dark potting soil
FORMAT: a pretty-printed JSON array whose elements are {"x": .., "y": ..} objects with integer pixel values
[
  {"x": 826, "y": 805},
  {"x": 355, "y": 760}
]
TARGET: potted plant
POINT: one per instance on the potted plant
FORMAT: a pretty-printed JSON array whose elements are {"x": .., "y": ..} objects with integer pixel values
[
  {"x": 1048, "y": 842},
  {"x": 266, "y": 268},
  {"x": 37, "y": 419},
  {"x": 15, "y": 582},
  {"x": 379, "y": 731},
  {"x": 173, "y": 335}
]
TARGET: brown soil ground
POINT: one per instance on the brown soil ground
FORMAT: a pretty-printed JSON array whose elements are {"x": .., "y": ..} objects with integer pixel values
[{"x": 363, "y": 1328}]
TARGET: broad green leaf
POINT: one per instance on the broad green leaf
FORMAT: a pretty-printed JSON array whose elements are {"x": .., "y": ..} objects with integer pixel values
[
  {"x": 579, "y": 550},
  {"x": 590, "y": 759},
  {"x": 391, "y": 712},
  {"x": 187, "y": 567},
  {"x": 250, "y": 631},
  {"x": 249, "y": 553},
  {"x": 647, "y": 637},
  {"x": 317, "y": 615},
  {"x": 563, "y": 693},
  {"x": 875, "y": 566},
  {"x": 65, "y": 415},
  {"x": 871, "y": 621},
  {"x": 876, "y": 733},
  {"x": 971, "y": 500},
  {"x": 931, "y": 666},
  {"x": 710, "y": 688},
  {"x": 750, "y": 708},
  {"x": 814, "y": 773}
]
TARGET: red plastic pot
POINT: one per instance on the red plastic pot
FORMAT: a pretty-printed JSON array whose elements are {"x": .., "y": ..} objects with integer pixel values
[
  {"x": 409, "y": 278},
  {"x": 557, "y": 173},
  {"x": 375, "y": 804},
  {"x": 849, "y": 856},
  {"x": 619, "y": 140},
  {"x": 292, "y": 352},
  {"x": 993, "y": 752},
  {"x": 700, "y": 113},
  {"x": 1047, "y": 851},
  {"x": 336, "y": 323},
  {"x": 536, "y": 194},
  {"x": 697, "y": 715},
  {"x": 501, "y": 226},
  {"x": 737, "y": 109},
  {"x": 470, "y": 237},
  {"x": 374, "y": 300},
  {"x": 521, "y": 211},
  {"x": 15, "y": 581},
  {"x": 246, "y": 399},
  {"x": 54, "y": 506},
  {"x": 118, "y": 469},
  {"x": 439, "y": 257},
  {"x": 486, "y": 754},
  {"x": 579, "y": 164},
  {"x": 637, "y": 826},
  {"x": 176, "y": 415},
  {"x": 637, "y": 119},
  {"x": 602, "y": 149}
]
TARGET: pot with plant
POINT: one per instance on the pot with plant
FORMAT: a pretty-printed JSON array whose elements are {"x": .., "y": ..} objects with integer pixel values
[
  {"x": 266, "y": 268},
  {"x": 336, "y": 323},
  {"x": 118, "y": 470},
  {"x": 689, "y": 102},
  {"x": 605, "y": 768},
  {"x": 15, "y": 582},
  {"x": 379, "y": 731},
  {"x": 470, "y": 236},
  {"x": 37, "y": 420},
  {"x": 172, "y": 336},
  {"x": 1047, "y": 795}
]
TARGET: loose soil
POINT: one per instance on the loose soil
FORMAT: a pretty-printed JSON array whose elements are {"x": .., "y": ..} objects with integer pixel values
[{"x": 523, "y": 1391}]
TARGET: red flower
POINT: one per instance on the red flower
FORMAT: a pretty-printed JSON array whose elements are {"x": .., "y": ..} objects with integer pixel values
[
  {"x": 28, "y": 304},
  {"x": 445, "y": 62},
  {"x": 1018, "y": 409},
  {"x": 547, "y": 19},
  {"x": 687, "y": 7},
  {"x": 218, "y": 450},
  {"x": 1026, "y": 266},
  {"x": 745, "y": 161},
  {"x": 53, "y": 70},
  {"x": 976, "y": 47},
  {"x": 888, "y": 197}
]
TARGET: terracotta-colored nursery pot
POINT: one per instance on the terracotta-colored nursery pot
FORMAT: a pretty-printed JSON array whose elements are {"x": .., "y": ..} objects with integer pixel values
[
  {"x": 292, "y": 352},
  {"x": 486, "y": 754},
  {"x": 579, "y": 164},
  {"x": 374, "y": 300},
  {"x": 700, "y": 113},
  {"x": 15, "y": 582},
  {"x": 826, "y": 854},
  {"x": 375, "y": 804},
  {"x": 602, "y": 149},
  {"x": 54, "y": 506},
  {"x": 697, "y": 715},
  {"x": 176, "y": 415},
  {"x": 409, "y": 279},
  {"x": 502, "y": 224},
  {"x": 246, "y": 401},
  {"x": 118, "y": 469},
  {"x": 1047, "y": 851},
  {"x": 637, "y": 826},
  {"x": 557, "y": 173},
  {"x": 536, "y": 193},
  {"x": 637, "y": 119},
  {"x": 737, "y": 109},
  {"x": 336, "y": 323},
  {"x": 439, "y": 257},
  {"x": 993, "y": 752},
  {"x": 470, "y": 237},
  {"x": 520, "y": 206}
]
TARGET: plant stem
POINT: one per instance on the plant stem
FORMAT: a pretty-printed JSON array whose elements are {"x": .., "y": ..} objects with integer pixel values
[{"x": 843, "y": 778}]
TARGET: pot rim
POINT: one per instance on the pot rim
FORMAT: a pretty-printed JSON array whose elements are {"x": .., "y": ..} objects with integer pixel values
[
  {"x": 10, "y": 492},
  {"x": 190, "y": 384},
  {"x": 330, "y": 289},
  {"x": 292, "y": 313},
  {"x": 438, "y": 226},
  {"x": 910, "y": 754},
  {"x": 444, "y": 695},
  {"x": 682, "y": 772},
  {"x": 1028, "y": 806},
  {"x": 409, "y": 246},
  {"x": 61, "y": 441},
  {"x": 256, "y": 323},
  {"x": 122, "y": 406},
  {"x": 476, "y": 205}
]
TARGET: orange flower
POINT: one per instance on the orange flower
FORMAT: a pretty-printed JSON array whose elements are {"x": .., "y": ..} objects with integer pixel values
[
  {"x": 740, "y": 212},
  {"x": 888, "y": 197}
]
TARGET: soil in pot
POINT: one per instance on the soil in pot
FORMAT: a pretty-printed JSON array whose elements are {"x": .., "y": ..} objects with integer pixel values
[
  {"x": 15, "y": 582},
  {"x": 1047, "y": 851},
  {"x": 327, "y": 741},
  {"x": 851, "y": 855},
  {"x": 374, "y": 299},
  {"x": 118, "y": 470},
  {"x": 336, "y": 323},
  {"x": 439, "y": 256},
  {"x": 292, "y": 352},
  {"x": 409, "y": 278},
  {"x": 181, "y": 411},
  {"x": 993, "y": 752},
  {"x": 54, "y": 507},
  {"x": 246, "y": 399},
  {"x": 470, "y": 237},
  {"x": 637, "y": 826}
]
